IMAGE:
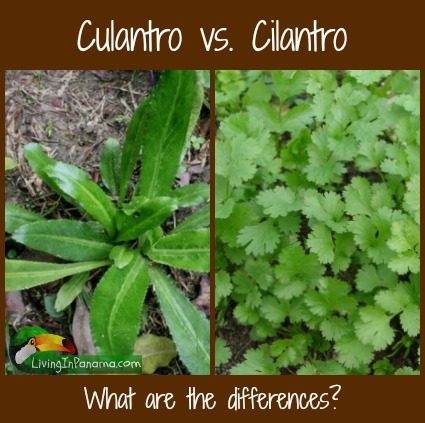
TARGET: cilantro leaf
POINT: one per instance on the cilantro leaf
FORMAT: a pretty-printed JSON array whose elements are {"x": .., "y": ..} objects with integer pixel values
[
  {"x": 322, "y": 104},
  {"x": 317, "y": 367},
  {"x": 410, "y": 103},
  {"x": 361, "y": 198},
  {"x": 370, "y": 277},
  {"x": 296, "y": 272},
  {"x": 405, "y": 240},
  {"x": 374, "y": 327},
  {"x": 260, "y": 271},
  {"x": 274, "y": 310},
  {"x": 290, "y": 352},
  {"x": 240, "y": 141},
  {"x": 223, "y": 286},
  {"x": 245, "y": 314},
  {"x": 395, "y": 299},
  {"x": 407, "y": 371},
  {"x": 405, "y": 262},
  {"x": 410, "y": 319},
  {"x": 321, "y": 81},
  {"x": 352, "y": 352},
  {"x": 257, "y": 362},
  {"x": 288, "y": 83},
  {"x": 323, "y": 166},
  {"x": 222, "y": 352},
  {"x": 259, "y": 239},
  {"x": 371, "y": 154},
  {"x": 344, "y": 249},
  {"x": 334, "y": 327},
  {"x": 332, "y": 295},
  {"x": 296, "y": 119},
  {"x": 263, "y": 329},
  {"x": 279, "y": 201},
  {"x": 320, "y": 242},
  {"x": 222, "y": 211},
  {"x": 368, "y": 77},
  {"x": 412, "y": 197},
  {"x": 245, "y": 286},
  {"x": 372, "y": 233},
  {"x": 335, "y": 249},
  {"x": 327, "y": 208},
  {"x": 228, "y": 229}
]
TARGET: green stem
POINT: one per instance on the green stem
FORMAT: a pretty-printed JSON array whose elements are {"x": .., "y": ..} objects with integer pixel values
[
  {"x": 380, "y": 174},
  {"x": 221, "y": 314},
  {"x": 396, "y": 349},
  {"x": 227, "y": 189}
]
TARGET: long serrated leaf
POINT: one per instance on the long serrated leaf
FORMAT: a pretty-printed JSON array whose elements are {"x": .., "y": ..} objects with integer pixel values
[
  {"x": 188, "y": 250},
  {"x": 152, "y": 213},
  {"x": 132, "y": 146},
  {"x": 191, "y": 195},
  {"x": 39, "y": 161},
  {"x": 116, "y": 307},
  {"x": 198, "y": 220},
  {"x": 169, "y": 117},
  {"x": 22, "y": 274},
  {"x": 68, "y": 239},
  {"x": 70, "y": 290},
  {"x": 197, "y": 102},
  {"x": 110, "y": 164},
  {"x": 84, "y": 193},
  {"x": 16, "y": 216},
  {"x": 189, "y": 328}
]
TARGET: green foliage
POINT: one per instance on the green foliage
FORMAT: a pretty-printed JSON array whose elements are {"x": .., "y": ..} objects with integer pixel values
[
  {"x": 166, "y": 124},
  {"x": 318, "y": 218},
  {"x": 189, "y": 327},
  {"x": 115, "y": 332},
  {"x": 150, "y": 214},
  {"x": 127, "y": 237},
  {"x": 222, "y": 353},
  {"x": 257, "y": 362},
  {"x": 15, "y": 217},
  {"x": 70, "y": 290},
  {"x": 68, "y": 239},
  {"x": 110, "y": 164},
  {"x": 22, "y": 274},
  {"x": 187, "y": 250}
]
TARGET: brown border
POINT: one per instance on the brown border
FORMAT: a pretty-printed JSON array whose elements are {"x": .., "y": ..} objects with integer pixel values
[{"x": 381, "y": 36}]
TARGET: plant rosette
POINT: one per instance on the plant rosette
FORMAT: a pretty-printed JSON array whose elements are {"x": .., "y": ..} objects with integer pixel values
[{"x": 126, "y": 239}]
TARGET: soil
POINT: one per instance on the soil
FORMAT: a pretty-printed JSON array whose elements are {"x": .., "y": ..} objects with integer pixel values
[
  {"x": 237, "y": 340},
  {"x": 71, "y": 114}
]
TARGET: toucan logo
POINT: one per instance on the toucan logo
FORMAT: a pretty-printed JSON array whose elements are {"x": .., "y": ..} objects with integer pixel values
[{"x": 31, "y": 343}]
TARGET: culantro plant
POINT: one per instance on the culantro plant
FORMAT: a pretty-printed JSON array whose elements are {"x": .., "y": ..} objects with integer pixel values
[{"x": 122, "y": 233}]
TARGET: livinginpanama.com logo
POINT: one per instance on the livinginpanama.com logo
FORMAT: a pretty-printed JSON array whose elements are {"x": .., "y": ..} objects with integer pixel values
[{"x": 33, "y": 350}]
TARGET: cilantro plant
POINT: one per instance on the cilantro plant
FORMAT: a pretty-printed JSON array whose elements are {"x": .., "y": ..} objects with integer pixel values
[
  {"x": 122, "y": 232},
  {"x": 318, "y": 219}
]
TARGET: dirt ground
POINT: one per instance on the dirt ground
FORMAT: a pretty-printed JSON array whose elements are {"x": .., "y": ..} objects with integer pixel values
[
  {"x": 71, "y": 114},
  {"x": 237, "y": 340}
]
